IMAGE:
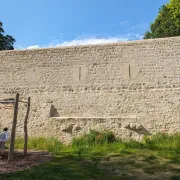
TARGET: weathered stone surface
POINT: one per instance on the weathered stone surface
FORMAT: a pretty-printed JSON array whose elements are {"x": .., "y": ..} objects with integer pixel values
[
  {"x": 97, "y": 86},
  {"x": 67, "y": 128}
]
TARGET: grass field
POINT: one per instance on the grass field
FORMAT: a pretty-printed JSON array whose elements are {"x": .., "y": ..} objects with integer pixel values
[{"x": 99, "y": 155}]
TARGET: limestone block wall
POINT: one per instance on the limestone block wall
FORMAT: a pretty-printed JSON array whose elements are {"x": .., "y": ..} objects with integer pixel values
[{"x": 130, "y": 88}]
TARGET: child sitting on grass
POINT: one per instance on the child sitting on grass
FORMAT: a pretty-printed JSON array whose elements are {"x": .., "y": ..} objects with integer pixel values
[{"x": 3, "y": 139}]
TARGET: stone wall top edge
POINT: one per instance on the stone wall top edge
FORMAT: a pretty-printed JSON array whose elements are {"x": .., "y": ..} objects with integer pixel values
[{"x": 134, "y": 42}]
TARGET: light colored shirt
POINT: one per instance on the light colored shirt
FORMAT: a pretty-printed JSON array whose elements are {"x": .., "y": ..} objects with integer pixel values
[{"x": 3, "y": 136}]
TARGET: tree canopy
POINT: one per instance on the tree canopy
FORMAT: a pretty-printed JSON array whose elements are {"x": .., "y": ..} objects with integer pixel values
[
  {"x": 167, "y": 23},
  {"x": 6, "y": 41}
]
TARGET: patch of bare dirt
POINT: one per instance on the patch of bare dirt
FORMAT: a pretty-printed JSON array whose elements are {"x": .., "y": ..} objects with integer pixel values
[{"x": 20, "y": 163}]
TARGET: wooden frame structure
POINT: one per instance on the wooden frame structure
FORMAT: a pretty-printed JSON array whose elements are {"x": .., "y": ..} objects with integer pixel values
[{"x": 13, "y": 131}]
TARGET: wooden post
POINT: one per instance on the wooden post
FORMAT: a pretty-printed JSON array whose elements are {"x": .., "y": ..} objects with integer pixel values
[
  {"x": 25, "y": 128},
  {"x": 13, "y": 131}
]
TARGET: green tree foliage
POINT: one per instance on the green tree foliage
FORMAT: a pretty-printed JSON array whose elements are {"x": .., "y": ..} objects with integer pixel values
[
  {"x": 167, "y": 23},
  {"x": 6, "y": 41}
]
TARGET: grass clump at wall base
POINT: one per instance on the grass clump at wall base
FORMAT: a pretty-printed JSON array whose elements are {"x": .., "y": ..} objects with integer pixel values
[
  {"x": 104, "y": 143},
  {"x": 94, "y": 138},
  {"x": 162, "y": 141},
  {"x": 132, "y": 144},
  {"x": 41, "y": 143}
]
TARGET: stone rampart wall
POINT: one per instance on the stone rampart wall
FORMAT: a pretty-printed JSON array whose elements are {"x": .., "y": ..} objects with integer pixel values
[{"x": 129, "y": 88}]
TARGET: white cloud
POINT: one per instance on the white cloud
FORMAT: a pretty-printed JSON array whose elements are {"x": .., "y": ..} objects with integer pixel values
[
  {"x": 96, "y": 40},
  {"x": 131, "y": 32},
  {"x": 33, "y": 47},
  {"x": 90, "y": 40}
]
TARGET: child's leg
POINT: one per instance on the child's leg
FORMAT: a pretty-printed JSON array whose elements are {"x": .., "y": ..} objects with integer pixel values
[{"x": 2, "y": 146}]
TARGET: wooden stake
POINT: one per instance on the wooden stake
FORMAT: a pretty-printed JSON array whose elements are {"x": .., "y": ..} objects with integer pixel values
[
  {"x": 25, "y": 128},
  {"x": 13, "y": 131}
]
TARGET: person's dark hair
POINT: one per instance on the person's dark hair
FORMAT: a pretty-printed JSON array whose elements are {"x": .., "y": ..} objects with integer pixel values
[{"x": 5, "y": 129}]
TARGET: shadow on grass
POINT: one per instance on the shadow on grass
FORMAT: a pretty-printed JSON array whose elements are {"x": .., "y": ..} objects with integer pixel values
[
  {"x": 65, "y": 168},
  {"x": 69, "y": 167},
  {"x": 175, "y": 177}
]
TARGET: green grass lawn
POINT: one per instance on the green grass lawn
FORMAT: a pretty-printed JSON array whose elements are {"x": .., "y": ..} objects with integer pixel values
[
  {"x": 112, "y": 167},
  {"x": 99, "y": 156}
]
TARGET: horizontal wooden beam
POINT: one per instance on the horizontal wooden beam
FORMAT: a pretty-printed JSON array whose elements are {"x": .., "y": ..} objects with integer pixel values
[
  {"x": 7, "y": 101},
  {"x": 10, "y": 101}
]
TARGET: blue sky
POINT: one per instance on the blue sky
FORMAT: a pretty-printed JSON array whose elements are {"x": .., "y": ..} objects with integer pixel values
[{"x": 47, "y": 23}]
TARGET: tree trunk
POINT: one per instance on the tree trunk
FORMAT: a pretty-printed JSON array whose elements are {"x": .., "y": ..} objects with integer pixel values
[
  {"x": 13, "y": 131},
  {"x": 25, "y": 128}
]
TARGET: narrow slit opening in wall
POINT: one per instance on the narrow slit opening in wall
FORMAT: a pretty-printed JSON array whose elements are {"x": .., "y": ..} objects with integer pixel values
[
  {"x": 79, "y": 73},
  {"x": 129, "y": 71},
  {"x": 34, "y": 74}
]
